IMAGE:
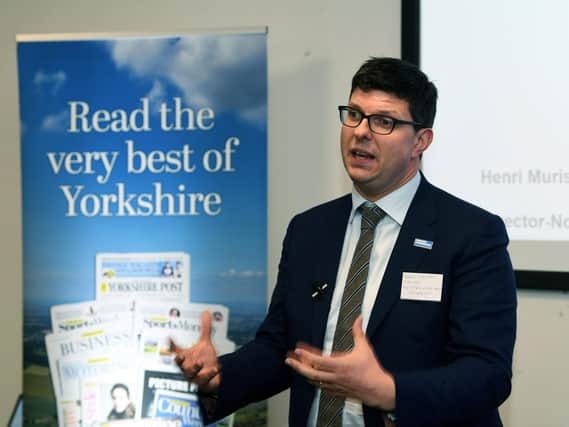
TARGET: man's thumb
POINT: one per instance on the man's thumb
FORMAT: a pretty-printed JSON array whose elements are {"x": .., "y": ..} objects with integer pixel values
[{"x": 357, "y": 330}]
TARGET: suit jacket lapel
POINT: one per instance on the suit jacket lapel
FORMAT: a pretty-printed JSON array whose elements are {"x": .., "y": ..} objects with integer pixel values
[
  {"x": 328, "y": 261},
  {"x": 405, "y": 256}
]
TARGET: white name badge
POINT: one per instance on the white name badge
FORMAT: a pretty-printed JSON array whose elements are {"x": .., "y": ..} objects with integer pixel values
[
  {"x": 354, "y": 407},
  {"x": 422, "y": 286}
]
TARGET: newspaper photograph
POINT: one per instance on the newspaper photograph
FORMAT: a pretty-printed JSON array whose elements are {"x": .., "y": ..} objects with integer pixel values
[{"x": 107, "y": 399}]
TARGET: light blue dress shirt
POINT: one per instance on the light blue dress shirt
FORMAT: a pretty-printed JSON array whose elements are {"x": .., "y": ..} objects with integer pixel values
[{"x": 395, "y": 205}]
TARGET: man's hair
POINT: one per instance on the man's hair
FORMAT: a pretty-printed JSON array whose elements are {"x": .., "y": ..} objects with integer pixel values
[
  {"x": 123, "y": 386},
  {"x": 402, "y": 79}
]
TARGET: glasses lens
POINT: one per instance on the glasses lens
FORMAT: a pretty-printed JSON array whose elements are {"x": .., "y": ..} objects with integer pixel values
[
  {"x": 381, "y": 124},
  {"x": 350, "y": 117}
]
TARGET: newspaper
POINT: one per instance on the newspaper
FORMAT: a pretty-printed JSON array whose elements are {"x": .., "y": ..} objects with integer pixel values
[
  {"x": 68, "y": 413},
  {"x": 148, "y": 422},
  {"x": 159, "y": 372},
  {"x": 73, "y": 371},
  {"x": 110, "y": 359},
  {"x": 170, "y": 394},
  {"x": 152, "y": 380},
  {"x": 71, "y": 355},
  {"x": 158, "y": 276},
  {"x": 67, "y": 317},
  {"x": 178, "y": 319},
  {"x": 173, "y": 404}
]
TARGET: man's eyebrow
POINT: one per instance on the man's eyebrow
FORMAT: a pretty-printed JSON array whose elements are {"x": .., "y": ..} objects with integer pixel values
[{"x": 382, "y": 112}]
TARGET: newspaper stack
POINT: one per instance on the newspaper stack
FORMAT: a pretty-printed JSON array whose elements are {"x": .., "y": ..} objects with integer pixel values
[{"x": 110, "y": 359}]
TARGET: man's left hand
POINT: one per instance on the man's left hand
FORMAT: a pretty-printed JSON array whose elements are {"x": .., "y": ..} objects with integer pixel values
[{"x": 356, "y": 374}]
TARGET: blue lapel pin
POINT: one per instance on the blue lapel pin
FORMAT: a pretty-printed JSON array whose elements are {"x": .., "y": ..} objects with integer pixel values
[{"x": 425, "y": 244}]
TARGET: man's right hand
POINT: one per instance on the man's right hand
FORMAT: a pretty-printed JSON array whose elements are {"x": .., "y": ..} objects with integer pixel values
[{"x": 199, "y": 362}]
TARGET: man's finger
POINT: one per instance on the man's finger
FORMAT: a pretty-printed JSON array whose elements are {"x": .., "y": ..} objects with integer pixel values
[
  {"x": 308, "y": 357},
  {"x": 308, "y": 347},
  {"x": 315, "y": 360},
  {"x": 357, "y": 330},
  {"x": 206, "y": 375},
  {"x": 179, "y": 359},
  {"x": 178, "y": 351},
  {"x": 206, "y": 326},
  {"x": 312, "y": 374},
  {"x": 191, "y": 370},
  {"x": 212, "y": 385},
  {"x": 174, "y": 347}
]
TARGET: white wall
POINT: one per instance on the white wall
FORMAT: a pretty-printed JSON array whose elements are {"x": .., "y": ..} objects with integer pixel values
[
  {"x": 314, "y": 48},
  {"x": 541, "y": 357}
]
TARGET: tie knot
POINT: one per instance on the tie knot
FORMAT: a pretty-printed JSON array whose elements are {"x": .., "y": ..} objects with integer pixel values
[{"x": 371, "y": 215}]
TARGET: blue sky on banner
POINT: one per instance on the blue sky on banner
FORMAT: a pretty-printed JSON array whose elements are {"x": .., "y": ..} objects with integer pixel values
[{"x": 226, "y": 73}]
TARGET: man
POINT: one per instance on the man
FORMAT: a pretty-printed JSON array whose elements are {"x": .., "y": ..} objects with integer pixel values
[
  {"x": 123, "y": 409},
  {"x": 433, "y": 344}
]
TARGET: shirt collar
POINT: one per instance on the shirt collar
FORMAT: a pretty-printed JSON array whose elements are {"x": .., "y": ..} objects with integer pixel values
[{"x": 395, "y": 204}]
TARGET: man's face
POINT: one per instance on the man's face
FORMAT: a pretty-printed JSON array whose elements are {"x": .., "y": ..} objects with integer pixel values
[
  {"x": 379, "y": 164},
  {"x": 120, "y": 399}
]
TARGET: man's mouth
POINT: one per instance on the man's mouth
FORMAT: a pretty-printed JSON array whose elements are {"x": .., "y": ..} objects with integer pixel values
[{"x": 361, "y": 154}]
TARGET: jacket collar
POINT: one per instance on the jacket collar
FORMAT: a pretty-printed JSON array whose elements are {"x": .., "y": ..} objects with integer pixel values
[
  {"x": 418, "y": 224},
  {"x": 405, "y": 256}
]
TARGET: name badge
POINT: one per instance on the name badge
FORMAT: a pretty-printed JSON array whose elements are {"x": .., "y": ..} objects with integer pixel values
[
  {"x": 354, "y": 406},
  {"x": 422, "y": 286}
]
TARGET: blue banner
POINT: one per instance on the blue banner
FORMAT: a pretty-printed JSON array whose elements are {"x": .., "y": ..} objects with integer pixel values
[{"x": 144, "y": 175}]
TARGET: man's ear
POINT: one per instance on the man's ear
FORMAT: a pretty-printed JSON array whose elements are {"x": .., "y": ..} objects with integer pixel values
[{"x": 423, "y": 139}]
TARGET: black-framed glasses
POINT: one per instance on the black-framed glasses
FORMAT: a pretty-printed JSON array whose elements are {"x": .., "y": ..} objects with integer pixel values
[{"x": 378, "y": 123}]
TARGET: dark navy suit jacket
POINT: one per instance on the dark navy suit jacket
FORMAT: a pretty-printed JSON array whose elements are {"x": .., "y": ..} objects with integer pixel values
[{"x": 451, "y": 360}]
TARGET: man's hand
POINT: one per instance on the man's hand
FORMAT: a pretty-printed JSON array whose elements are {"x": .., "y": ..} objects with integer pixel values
[
  {"x": 199, "y": 362},
  {"x": 356, "y": 374}
]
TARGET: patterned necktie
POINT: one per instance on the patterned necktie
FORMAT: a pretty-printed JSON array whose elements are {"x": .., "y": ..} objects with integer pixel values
[{"x": 330, "y": 407}]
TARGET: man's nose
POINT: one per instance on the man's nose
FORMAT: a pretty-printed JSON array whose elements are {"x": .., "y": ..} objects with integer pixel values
[{"x": 363, "y": 130}]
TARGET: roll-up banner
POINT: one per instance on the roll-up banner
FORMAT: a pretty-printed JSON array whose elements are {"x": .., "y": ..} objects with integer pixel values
[{"x": 144, "y": 191}]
